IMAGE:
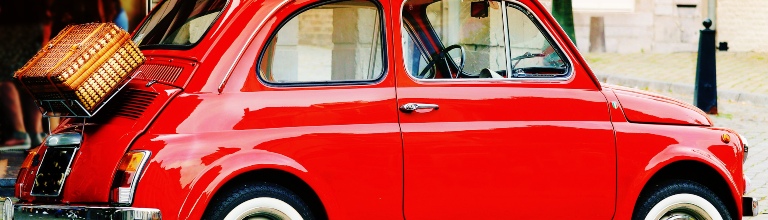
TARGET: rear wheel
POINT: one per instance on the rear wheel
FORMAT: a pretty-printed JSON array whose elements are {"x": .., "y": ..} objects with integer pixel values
[
  {"x": 259, "y": 201},
  {"x": 680, "y": 200}
]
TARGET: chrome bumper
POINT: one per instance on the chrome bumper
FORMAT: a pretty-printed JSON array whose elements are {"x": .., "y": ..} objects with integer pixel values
[
  {"x": 750, "y": 206},
  {"x": 78, "y": 212}
]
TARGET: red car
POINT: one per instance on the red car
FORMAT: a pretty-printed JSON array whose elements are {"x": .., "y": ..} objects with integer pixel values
[{"x": 367, "y": 109}]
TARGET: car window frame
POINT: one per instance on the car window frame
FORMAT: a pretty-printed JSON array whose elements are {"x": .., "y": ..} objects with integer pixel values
[
  {"x": 384, "y": 50},
  {"x": 548, "y": 35}
]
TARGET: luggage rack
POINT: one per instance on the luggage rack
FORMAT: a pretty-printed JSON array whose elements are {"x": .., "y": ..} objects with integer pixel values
[{"x": 68, "y": 108}]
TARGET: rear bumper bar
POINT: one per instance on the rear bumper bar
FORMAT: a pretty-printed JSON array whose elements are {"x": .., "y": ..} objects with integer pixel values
[{"x": 19, "y": 211}]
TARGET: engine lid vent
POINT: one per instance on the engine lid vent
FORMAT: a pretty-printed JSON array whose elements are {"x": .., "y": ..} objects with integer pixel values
[
  {"x": 159, "y": 72},
  {"x": 132, "y": 103}
]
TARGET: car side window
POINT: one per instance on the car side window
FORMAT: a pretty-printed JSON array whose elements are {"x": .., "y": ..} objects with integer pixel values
[
  {"x": 336, "y": 42},
  {"x": 452, "y": 36},
  {"x": 455, "y": 39}
]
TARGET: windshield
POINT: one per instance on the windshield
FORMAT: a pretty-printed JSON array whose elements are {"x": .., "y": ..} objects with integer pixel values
[{"x": 179, "y": 22}]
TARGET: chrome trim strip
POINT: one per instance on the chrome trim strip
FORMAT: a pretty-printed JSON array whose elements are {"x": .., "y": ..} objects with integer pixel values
[
  {"x": 21, "y": 212},
  {"x": 248, "y": 43}
]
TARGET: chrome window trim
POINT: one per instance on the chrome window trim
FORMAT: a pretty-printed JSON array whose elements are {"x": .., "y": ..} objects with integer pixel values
[{"x": 570, "y": 74}]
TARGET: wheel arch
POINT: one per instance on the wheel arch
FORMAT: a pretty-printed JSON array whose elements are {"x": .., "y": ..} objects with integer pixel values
[
  {"x": 696, "y": 171},
  {"x": 271, "y": 167},
  {"x": 282, "y": 178}
]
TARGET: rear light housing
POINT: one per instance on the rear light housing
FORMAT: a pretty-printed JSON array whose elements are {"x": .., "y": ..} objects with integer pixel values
[{"x": 127, "y": 177}]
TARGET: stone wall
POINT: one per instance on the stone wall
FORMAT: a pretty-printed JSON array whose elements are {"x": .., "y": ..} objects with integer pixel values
[
  {"x": 316, "y": 27},
  {"x": 653, "y": 26},
  {"x": 743, "y": 24},
  {"x": 664, "y": 26}
]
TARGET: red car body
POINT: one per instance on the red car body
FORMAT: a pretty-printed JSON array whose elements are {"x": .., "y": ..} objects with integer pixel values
[{"x": 566, "y": 149}]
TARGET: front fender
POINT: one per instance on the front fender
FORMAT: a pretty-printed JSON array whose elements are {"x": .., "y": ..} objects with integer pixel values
[
  {"x": 645, "y": 149},
  {"x": 685, "y": 154}
]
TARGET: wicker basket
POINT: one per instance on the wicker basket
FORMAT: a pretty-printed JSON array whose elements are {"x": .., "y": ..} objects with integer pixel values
[{"x": 83, "y": 65}]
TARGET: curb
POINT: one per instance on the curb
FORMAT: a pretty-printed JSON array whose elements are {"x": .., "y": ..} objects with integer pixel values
[{"x": 679, "y": 88}]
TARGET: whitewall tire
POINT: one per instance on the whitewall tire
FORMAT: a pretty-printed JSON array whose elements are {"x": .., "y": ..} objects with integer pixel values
[
  {"x": 684, "y": 206},
  {"x": 680, "y": 200},
  {"x": 257, "y": 201},
  {"x": 263, "y": 208}
]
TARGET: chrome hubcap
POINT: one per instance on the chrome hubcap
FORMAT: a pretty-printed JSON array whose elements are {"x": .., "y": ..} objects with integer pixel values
[
  {"x": 684, "y": 211},
  {"x": 263, "y": 214}
]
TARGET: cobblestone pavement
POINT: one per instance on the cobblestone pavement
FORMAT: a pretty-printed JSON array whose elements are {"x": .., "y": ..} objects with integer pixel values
[{"x": 742, "y": 72}]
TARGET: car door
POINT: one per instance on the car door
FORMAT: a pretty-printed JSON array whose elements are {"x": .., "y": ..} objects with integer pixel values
[
  {"x": 481, "y": 143},
  {"x": 320, "y": 95}
]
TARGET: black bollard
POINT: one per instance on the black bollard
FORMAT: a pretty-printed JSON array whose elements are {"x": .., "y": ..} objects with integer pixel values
[{"x": 705, "y": 92}]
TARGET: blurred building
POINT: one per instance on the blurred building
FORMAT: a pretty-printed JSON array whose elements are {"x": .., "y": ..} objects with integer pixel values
[{"x": 663, "y": 26}]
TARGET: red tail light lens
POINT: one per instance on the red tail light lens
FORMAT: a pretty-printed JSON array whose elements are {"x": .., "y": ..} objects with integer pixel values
[{"x": 127, "y": 176}]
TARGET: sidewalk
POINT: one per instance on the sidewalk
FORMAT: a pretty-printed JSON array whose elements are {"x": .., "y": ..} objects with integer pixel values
[
  {"x": 740, "y": 76},
  {"x": 742, "y": 96}
]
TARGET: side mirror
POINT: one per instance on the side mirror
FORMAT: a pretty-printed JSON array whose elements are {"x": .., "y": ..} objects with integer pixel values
[{"x": 479, "y": 9}]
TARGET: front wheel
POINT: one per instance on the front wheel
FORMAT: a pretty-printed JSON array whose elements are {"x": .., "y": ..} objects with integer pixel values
[
  {"x": 680, "y": 200},
  {"x": 259, "y": 201}
]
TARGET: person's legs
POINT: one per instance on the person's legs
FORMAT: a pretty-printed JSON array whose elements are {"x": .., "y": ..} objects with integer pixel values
[
  {"x": 9, "y": 97},
  {"x": 33, "y": 118},
  {"x": 18, "y": 43}
]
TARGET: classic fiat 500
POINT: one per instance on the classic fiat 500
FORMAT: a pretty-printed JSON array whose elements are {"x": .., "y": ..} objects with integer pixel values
[{"x": 378, "y": 109}]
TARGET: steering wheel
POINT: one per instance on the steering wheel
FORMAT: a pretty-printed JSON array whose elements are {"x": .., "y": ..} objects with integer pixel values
[{"x": 442, "y": 55}]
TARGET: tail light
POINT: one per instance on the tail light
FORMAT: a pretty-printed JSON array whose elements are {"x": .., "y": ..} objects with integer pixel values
[{"x": 127, "y": 176}]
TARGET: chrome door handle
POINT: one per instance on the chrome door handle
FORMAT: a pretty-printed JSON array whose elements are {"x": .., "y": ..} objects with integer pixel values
[{"x": 410, "y": 107}]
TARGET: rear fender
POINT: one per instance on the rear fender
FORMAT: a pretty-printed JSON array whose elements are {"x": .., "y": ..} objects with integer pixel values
[
  {"x": 205, "y": 186},
  {"x": 211, "y": 180}
]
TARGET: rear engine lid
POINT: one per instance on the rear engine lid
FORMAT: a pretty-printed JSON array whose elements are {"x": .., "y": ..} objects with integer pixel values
[{"x": 106, "y": 137}]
